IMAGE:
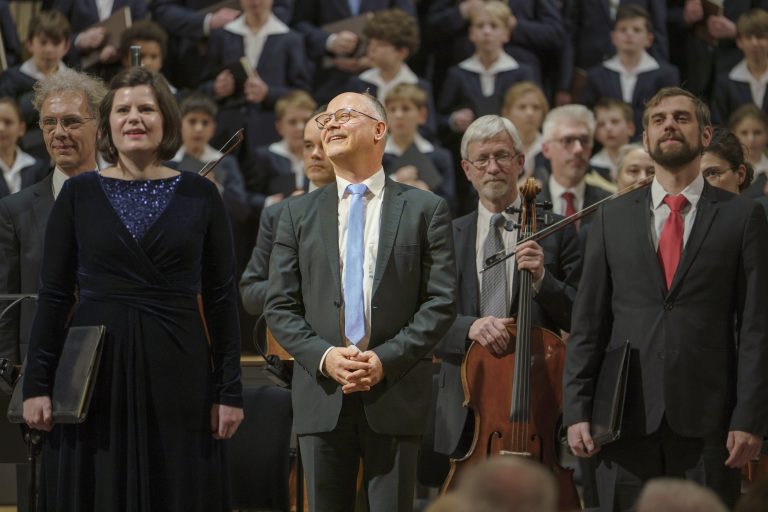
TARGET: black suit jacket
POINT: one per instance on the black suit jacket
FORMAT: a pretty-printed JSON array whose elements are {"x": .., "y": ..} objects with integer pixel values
[
  {"x": 411, "y": 305},
  {"x": 699, "y": 350},
  {"x": 23, "y": 217},
  {"x": 551, "y": 309}
]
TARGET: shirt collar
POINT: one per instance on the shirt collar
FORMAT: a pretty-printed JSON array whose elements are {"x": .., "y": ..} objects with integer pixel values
[
  {"x": 484, "y": 214},
  {"x": 29, "y": 69},
  {"x": 601, "y": 159},
  {"x": 57, "y": 181},
  {"x": 374, "y": 183},
  {"x": 647, "y": 63},
  {"x": 692, "y": 192},
  {"x": 209, "y": 154},
  {"x": 505, "y": 62},
  {"x": 404, "y": 76},
  {"x": 740, "y": 73},
  {"x": 556, "y": 190},
  {"x": 761, "y": 166},
  {"x": 281, "y": 148},
  {"x": 271, "y": 27},
  {"x": 422, "y": 144},
  {"x": 22, "y": 160}
]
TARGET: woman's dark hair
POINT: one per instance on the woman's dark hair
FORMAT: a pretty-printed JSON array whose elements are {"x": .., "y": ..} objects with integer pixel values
[
  {"x": 727, "y": 146},
  {"x": 133, "y": 77}
]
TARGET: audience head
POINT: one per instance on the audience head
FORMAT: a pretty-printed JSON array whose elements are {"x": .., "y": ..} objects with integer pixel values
[
  {"x": 752, "y": 35},
  {"x": 198, "y": 121},
  {"x": 317, "y": 167},
  {"x": 750, "y": 124},
  {"x": 615, "y": 125},
  {"x": 354, "y": 133},
  {"x": 48, "y": 40},
  {"x": 632, "y": 32},
  {"x": 393, "y": 36},
  {"x": 153, "y": 41},
  {"x": 525, "y": 105},
  {"x": 451, "y": 502},
  {"x": 634, "y": 164},
  {"x": 677, "y": 495},
  {"x": 509, "y": 484},
  {"x": 723, "y": 164},
  {"x": 68, "y": 104},
  {"x": 492, "y": 159},
  {"x": 292, "y": 111},
  {"x": 568, "y": 136},
  {"x": 677, "y": 129},
  {"x": 406, "y": 106},
  {"x": 12, "y": 126},
  {"x": 142, "y": 101},
  {"x": 489, "y": 26}
]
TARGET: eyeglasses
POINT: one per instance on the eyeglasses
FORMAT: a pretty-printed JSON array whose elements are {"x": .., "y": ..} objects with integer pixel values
[
  {"x": 714, "y": 174},
  {"x": 502, "y": 159},
  {"x": 48, "y": 124},
  {"x": 569, "y": 140},
  {"x": 341, "y": 116}
]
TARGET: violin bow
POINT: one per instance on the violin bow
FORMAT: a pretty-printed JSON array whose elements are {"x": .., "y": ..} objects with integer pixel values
[
  {"x": 500, "y": 256},
  {"x": 232, "y": 144}
]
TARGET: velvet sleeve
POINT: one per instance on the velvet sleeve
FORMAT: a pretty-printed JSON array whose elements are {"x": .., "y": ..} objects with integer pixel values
[{"x": 220, "y": 303}]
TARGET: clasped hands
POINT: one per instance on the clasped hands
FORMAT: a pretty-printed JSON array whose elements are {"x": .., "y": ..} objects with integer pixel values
[{"x": 353, "y": 369}]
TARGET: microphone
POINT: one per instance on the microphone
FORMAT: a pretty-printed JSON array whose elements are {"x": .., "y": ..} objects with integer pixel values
[{"x": 135, "y": 55}]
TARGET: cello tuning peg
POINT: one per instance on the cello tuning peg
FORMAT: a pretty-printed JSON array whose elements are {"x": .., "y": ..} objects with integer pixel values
[
  {"x": 512, "y": 209},
  {"x": 511, "y": 225},
  {"x": 544, "y": 205}
]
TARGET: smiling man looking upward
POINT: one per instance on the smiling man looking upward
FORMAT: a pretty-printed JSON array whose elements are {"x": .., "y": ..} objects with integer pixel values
[{"x": 362, "y": 284}]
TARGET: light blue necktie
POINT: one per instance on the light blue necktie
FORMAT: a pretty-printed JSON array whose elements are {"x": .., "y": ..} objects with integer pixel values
[{"x": 354, "y": 304}]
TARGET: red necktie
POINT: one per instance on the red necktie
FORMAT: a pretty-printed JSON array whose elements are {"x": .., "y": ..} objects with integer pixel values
[
  {"x": 570, "y": 207},
  {"x": 671, "y": 239}
]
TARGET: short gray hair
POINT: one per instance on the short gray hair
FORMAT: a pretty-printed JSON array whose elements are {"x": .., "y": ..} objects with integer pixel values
[
  {"x": 574, "y": 113},
  {"x": 483, "y": 128},
  {"x": 69, "y": 80}
]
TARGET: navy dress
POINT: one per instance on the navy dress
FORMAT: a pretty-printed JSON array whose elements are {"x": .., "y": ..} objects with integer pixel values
[{"x": 137, "y": 253}]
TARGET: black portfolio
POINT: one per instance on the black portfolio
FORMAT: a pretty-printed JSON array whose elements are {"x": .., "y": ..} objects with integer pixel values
[
  {"x": 75, "y": 377},
  {"x": 610, "y": 391}
]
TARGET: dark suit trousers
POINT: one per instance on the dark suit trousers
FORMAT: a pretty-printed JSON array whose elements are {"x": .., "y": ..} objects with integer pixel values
[
  {"x": 624, "y": 466},
  {"x": 331, "y": 461}
]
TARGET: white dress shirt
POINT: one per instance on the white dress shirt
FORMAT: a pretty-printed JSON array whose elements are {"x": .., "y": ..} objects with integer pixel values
[
  {"x": 660, "y": 211},
  {"x": 628, "y": 77},
  {"x": 422, "y": 144},
  {"x": 602, "y": 159},
  {"x": 504, "y": 62},
  {"x": 12, "y": 174},
  {"x": 30, "y": 69},
  {"x": 253, "y": 40},
  {"x": 104, "y": 8},
  {"x": 740, "y": 73},
  {"x": 556, "y": 191},
  {"x": 404, "y": 76},
  {"x": 57, "y": 181}
]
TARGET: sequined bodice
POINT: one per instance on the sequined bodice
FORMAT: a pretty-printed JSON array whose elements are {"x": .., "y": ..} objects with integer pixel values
[{"x": 139, "y": 203}]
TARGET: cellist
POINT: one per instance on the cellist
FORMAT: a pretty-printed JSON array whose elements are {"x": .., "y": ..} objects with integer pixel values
[{"x": 492, "y": 160}]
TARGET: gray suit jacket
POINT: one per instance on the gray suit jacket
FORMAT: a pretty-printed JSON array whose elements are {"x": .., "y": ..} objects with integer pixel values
[
  {"x": 23, "y": 217},
  {"x": 255, "y": 279},
  {"x": 412, "y": 305}
]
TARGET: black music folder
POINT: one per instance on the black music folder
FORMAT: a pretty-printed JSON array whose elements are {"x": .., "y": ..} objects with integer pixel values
[
  {"x": 75, "y": 377},
  {"x": 610, "y": 392}
]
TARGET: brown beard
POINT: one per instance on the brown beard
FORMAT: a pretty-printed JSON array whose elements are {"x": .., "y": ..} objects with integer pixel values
[{"x": 675, "y": 158}]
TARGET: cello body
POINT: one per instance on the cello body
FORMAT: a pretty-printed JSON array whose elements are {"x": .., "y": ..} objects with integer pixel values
[{"x": 482, "y": 374}]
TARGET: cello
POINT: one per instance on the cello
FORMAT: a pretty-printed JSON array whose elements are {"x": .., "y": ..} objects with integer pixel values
[{"x": 517, "y": 397}]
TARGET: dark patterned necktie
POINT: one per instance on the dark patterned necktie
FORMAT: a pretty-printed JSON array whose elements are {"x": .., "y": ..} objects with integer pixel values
[{"x": 493, "y": 296}]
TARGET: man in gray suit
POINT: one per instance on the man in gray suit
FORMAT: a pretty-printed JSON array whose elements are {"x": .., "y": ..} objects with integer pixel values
[
  {"x": 362, "y": 286},
  {"x": 68, "y": 105}
]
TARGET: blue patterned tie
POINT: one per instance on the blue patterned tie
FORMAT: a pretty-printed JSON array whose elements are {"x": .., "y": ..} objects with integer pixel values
[{"x": 354, "y": 304}]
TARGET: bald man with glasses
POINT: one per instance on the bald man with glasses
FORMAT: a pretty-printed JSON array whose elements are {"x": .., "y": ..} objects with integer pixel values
[{"x": 362, "y": 287}]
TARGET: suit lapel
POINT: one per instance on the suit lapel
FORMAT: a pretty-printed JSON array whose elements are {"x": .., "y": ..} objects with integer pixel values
[
  {"x": 466, "y": 239},
  {"x": 642, "y": 221},
  {"x": 391, "y": 210},
  {"x": 42, "y": 205},
  {"x": 706, "y": 211},
  {"x": 329, "y": 230},
  {"x": 4, "y": 190}
]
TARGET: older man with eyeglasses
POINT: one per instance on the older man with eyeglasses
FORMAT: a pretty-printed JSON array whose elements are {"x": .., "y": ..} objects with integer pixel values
[
  {"x": 492, "y": 160},
  {"x": 362, "y": 287},
  {"x": 68, "y": 105}
]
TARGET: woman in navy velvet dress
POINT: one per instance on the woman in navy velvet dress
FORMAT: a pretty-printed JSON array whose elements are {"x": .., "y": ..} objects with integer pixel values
[{"x": 137, "y": 243}]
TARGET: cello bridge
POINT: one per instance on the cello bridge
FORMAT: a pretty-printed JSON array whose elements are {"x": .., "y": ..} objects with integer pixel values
[{"x": 516, "y": 454}]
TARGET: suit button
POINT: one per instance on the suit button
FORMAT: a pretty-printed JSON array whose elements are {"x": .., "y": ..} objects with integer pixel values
[{"x": 668, "y": 306}]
